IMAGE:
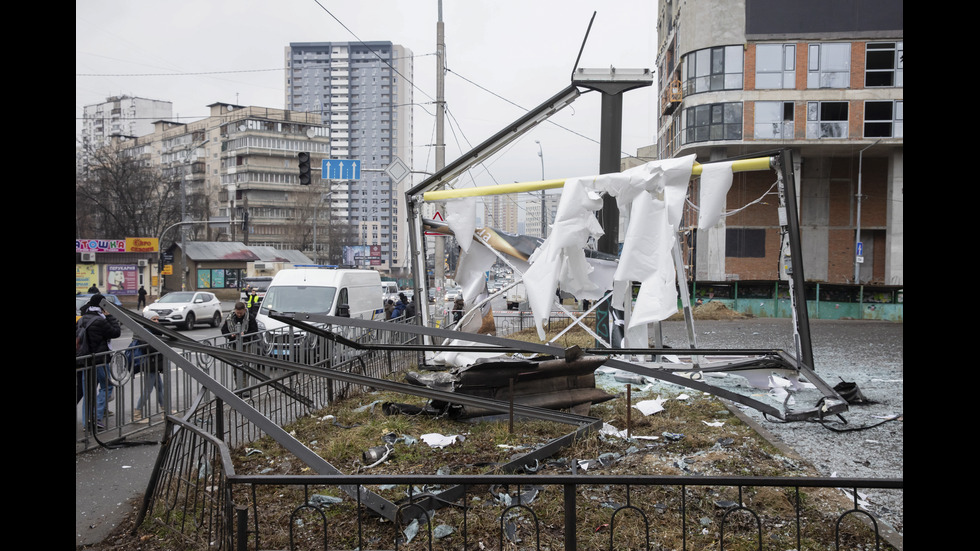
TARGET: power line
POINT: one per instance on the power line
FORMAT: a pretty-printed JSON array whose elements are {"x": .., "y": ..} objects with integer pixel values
[{"x": 204, "y": 73}]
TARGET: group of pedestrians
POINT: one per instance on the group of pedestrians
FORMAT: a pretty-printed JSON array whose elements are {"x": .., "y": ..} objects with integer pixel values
[{"x": 402, "y": 308}]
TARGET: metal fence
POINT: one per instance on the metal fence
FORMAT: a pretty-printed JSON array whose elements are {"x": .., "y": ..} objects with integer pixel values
[
  {"x": 208, "y": 506},
  {"x": 124, "y": 400},
  {"x": 196, "y": 493}
]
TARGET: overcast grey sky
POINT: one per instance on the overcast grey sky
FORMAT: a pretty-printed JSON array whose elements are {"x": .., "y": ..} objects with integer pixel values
[{"x": 503, "y": 56}]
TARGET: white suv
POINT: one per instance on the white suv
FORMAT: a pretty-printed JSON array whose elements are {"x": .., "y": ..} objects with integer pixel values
[{"x": 186, "y": 308}]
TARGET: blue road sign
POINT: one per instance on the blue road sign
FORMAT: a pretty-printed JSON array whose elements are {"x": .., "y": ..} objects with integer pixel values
[{"x": 341, "y": 169}]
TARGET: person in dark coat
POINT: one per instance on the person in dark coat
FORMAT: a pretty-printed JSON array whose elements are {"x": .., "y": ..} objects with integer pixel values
[
  {"x": 152, "y": 367},
  {"x": 240, "y": 325},
  {"x": 410, "y": 308},
  {"x": 389, "y": 309},
  {"x": 141, "y": 300},
  {"x": 400, "y": 307},
  {"x": 458, "y": 307},
  {"x": 98, "y": 329},
  {"x": 241, "y": 329}
]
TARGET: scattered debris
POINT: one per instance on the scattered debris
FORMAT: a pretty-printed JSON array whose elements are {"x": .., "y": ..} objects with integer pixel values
[
  {"x": 321, "y": 500},
  {"x": 436, "y": 440},
  {"x": 649, "y": 407},
  {"x": 850, "y": 392}
]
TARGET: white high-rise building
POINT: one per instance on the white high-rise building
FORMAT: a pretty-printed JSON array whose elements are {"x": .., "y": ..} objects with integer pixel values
[
  {"x": 363, "y": 92},
  {"x": 120, "y": 116}
]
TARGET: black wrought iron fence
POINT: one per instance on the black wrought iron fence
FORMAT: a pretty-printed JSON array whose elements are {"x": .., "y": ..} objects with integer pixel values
[{"x": 198, "y": 495}]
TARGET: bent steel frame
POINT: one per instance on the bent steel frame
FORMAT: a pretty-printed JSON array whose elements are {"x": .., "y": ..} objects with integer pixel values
[
  {"x": 781, "y": 162},
  {"x": 149, "y": 332}
]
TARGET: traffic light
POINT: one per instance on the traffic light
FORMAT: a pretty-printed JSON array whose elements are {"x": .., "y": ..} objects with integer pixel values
[{"x": 305, "y": 177}]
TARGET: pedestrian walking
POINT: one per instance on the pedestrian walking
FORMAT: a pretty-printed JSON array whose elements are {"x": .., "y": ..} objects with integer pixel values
[
  {"x": 93, "y": 333},
  {"x": 150, "y": 364}
]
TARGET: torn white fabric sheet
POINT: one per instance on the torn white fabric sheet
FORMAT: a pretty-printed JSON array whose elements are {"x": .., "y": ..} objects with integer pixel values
[
  {"x": 601, "y": 276},
  {"x": 461, "y": 218},
  {"x": 647, "y": 191},
  {"x": 649, "y": 238},
  {"x": 646, "y": 258},
  {"x": 716, "y": 180},
  {"x": 562, "y": 255},
  {"x": 677, "y": 177}
]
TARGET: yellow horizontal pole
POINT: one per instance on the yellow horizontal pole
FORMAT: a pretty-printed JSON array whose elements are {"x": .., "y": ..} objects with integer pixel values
[
  {"x": 517, "y": 187},
  {"x": 744, "y": 165}
]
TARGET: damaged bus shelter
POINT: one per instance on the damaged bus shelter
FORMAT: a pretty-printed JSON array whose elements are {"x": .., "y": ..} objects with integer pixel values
[{"x": 650, "y": 267}]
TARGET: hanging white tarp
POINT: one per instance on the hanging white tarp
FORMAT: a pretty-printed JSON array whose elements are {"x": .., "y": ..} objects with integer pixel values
[{"x": 653, "y": 193}]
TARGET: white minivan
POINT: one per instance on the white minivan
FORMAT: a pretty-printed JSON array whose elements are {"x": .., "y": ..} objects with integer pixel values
[
  {"x": 327, "y": 291},
  {"x": 389, "y": 291}
]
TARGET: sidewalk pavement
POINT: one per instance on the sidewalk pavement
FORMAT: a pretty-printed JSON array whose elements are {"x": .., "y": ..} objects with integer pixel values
[{"x": 110, "y": 483}]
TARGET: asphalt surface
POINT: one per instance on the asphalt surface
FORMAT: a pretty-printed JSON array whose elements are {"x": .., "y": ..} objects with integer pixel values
[{"x": 109, "y": 483}]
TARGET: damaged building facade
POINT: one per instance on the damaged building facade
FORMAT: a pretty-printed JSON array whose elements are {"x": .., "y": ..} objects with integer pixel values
[{"x": 825, "y": 80}]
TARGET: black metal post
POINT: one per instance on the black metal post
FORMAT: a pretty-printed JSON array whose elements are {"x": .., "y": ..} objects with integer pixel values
[{"x": 796, "y": 252}]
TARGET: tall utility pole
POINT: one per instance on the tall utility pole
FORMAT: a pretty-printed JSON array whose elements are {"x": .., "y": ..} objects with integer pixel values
[{"x": 440, "y": 248}]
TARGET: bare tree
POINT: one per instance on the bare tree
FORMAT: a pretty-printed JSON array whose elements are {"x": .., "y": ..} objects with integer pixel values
[
  {"x": 314, "y": 230},
  {"x": 120, "y": 196}
]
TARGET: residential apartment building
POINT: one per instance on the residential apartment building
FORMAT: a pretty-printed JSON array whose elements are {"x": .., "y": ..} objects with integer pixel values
[
  {"x": 119, "y": 116},
  {"x": 501, "y": 212},
  {"x": 533, "y": 204},
  {"x": 362, "y": 93},
  {"x": 743, "y": 78},
  {"x": 238, "y": 170}
]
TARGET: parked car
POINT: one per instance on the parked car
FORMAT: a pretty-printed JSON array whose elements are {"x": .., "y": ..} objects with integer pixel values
[
  {"x": 453, "y": 294},
  {"x": 186, "y": 308},
  {"x": 82, "y": 300}
]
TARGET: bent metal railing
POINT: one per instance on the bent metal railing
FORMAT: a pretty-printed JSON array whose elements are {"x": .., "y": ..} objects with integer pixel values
[
  {"x": 197, "y": 494},
  {"x": 195, "y": 491}
]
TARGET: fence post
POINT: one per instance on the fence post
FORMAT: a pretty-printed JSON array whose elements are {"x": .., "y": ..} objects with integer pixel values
[
  {"x": 570, "y": 543},
  {"x": 241, "y": 527},
  {"x": 219, "y": 419}
]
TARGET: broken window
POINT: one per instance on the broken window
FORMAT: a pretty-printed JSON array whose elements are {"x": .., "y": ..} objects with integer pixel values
[
  {"x": 826, "y": 119},
  {"x": 774, "y": 120},
  {"x": 883, "y": 64},
  {"x": 883, "y": 119}
]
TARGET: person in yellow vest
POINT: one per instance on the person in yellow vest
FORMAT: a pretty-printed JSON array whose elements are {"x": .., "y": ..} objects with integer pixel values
[{"x": 253, "y": 302}]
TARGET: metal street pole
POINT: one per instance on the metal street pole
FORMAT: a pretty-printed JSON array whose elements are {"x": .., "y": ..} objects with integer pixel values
[
  {"x": 857, "y": 235},
  {"x": 440, "y": 250}
]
